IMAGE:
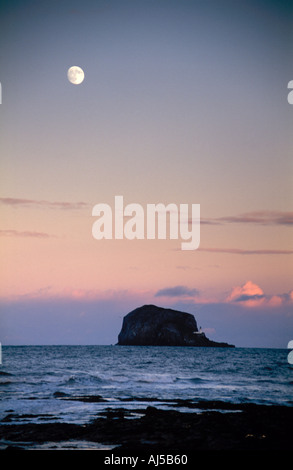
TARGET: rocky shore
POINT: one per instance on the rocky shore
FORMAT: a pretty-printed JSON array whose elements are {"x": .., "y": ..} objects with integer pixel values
[{"x": 212, "y": 426}]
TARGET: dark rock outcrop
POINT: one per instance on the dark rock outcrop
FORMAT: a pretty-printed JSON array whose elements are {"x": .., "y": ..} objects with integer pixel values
[{"x": 150, "y": 325}]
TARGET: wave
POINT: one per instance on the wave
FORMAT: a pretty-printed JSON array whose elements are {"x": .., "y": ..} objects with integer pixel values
[
  {"x": 155, "y": 378},
  {"x": 83, "y": 379},
  {"x": 4, "y": 373},
  {"x": 195, "y": 380}
]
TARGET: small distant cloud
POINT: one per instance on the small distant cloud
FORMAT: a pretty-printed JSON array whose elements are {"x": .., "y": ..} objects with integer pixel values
[
  {"x": 288, "y": 296},
  {"x": 20, "y": 202},
  {"x": 246, "y": 297},
  {"x": 251, "y": 295},
  {"x": 261, "y": 217},
  {"x": 42, "y": 292},
  {"x": 256, "y": 217},
  {"x": 239, "y": 251},
  {"x": 177, "y": 291},
  {"x": 28, "y": 234},
  {"x": 281, "y": 299},
  {"x": 204, "y": 221}
]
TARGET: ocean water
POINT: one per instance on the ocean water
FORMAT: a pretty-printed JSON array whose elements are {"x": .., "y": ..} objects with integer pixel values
[{"x": 75, "y": 383}]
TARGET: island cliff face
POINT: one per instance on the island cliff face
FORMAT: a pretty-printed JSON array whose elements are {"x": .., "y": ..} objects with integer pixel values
[{"x": 150, "y": 325}]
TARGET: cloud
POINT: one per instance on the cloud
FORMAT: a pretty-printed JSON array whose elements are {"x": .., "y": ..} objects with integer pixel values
[
  {"x": 177, "y": 291},
  {"x": 252, "y": 295},
  {"x": 246, "y": 297},
  {"x": 28, "y": 234},
  {"x": 256, "y": 217},
  {"x": 20, "y": 202},
  {"x": 204, "y": 221},
  {"x": 42, "y": 292},
  {"x": 281, "y": 299},
  {"x": 261, "y": 217},
  {"x": 249, "y": 293},
  {"x": 239, "y": 251}
]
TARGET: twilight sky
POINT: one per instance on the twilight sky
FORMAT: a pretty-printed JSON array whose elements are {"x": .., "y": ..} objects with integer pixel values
[{"x": 184, "y": 101}]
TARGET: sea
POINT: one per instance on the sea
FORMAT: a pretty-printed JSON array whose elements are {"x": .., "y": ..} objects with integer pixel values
[{"x": 76, "y": 384}]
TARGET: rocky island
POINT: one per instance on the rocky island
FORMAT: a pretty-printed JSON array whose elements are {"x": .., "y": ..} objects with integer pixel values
[{"x": 150, "y": 325}]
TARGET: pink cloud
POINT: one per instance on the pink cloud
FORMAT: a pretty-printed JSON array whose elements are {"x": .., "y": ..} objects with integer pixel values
[
  {"x": 17, "y": 233},
  {"x": 239, "y": 251},
  {"x": 256, "y": 217},
  {"x": 275, "y": 301},
  {"x": 252, "y": 295},
  {"x": 249, "y": 293},
  {"x": 177, "y": 291},
  {"x": 21, "y": 202},
  {"x": 261, "y": 217}
]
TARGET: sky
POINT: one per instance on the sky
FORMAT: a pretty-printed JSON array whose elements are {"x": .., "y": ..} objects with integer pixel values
[{"x": 183, "y": 102}]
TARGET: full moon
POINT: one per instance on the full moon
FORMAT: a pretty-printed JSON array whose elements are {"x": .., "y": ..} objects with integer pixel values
[{"x": 75, "y": 75}]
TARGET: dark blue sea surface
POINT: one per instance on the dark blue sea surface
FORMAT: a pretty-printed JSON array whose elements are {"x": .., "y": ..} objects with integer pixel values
[{"x": 75, "y": 383}]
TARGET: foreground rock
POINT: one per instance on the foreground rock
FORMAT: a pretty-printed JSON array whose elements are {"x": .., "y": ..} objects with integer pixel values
[
  {"x": 155, "y": 326},
  {"x": 253, "y": 427}
]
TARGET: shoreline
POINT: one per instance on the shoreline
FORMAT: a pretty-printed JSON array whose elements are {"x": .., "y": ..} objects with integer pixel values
[{"x": 214, "y": 426}]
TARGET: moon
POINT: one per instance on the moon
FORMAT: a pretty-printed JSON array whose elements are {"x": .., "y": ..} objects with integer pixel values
[{"x": 75, "y": 75}]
